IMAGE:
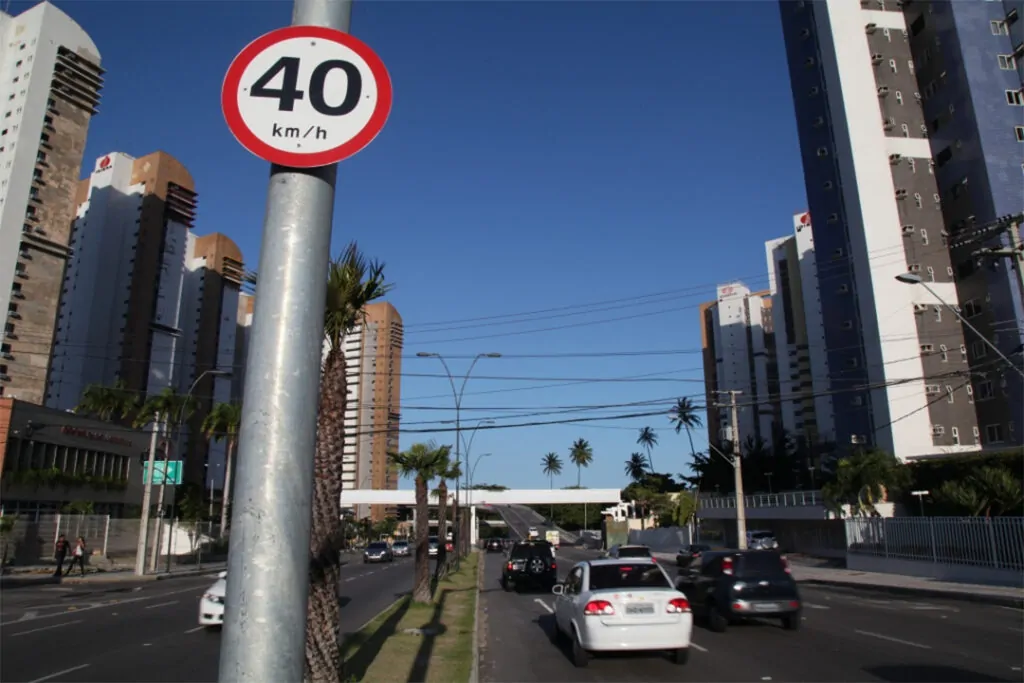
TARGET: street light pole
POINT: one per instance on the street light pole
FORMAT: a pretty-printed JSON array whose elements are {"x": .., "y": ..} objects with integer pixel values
[
  {"x": 264, "y": 636},
  {"x": 472, "y": 473},
  {"x": 469, "y": 447},
  {"x": 457, "y": 393},
  {"x": 912, "y": 279},
  {"x": 178, "y": 452}
]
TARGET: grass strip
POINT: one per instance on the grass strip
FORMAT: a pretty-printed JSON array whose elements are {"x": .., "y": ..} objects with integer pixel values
[{"x": 415, "y": 643}]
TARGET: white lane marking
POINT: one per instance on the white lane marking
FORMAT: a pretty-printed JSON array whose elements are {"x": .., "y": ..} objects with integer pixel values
[
  {"x": 813, "y": 606},
  {"x": 1014, "y": 609},
  {"x": 46, "y": 628},
  {"x": 697, "y": 647},
  {"x": 60, "y": 673},
  {"x": 352, "y": 578},
  {"x": 1014, "y": 628},
  {"x": 197, "y": 628},
  {"x": 544, "y": 605},
  {"x": 194, "y": 589},
  {"x": 28, "y": 616},
  {"x": 146, "y": 644},
  {"x": 162, "y": 604},
  {"x": 1014, "y": 668},
  {"x": 892, "y": 640}
]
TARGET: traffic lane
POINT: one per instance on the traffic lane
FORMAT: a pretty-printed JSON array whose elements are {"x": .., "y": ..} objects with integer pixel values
[
  {"x": 928, "y": 620},
  {"x": 94, "y": 640},
  {"x": 827, "y": 648}
]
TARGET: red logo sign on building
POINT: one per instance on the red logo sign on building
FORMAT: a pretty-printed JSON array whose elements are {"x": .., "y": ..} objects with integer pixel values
[{"x": 104, "y": 164}]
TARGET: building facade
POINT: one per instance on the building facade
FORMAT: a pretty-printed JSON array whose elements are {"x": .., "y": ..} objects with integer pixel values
[
  {"x": 50, "y": 82},
  {"x": 373, "y": 362},
  {"x": 804, "y": 402},
  {"x": 50, "y": 459},
  {"x": 875, "y": 149},
  {"x": 739, "y": 352}
]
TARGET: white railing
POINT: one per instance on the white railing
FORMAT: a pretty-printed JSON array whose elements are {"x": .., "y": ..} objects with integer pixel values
[
  {"x": 996, "y": 543},
  {"x": 764, "y": 500}
]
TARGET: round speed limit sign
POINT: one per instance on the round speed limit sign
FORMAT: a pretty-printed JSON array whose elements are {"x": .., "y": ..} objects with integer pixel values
[{"x": 306, "y": 96}]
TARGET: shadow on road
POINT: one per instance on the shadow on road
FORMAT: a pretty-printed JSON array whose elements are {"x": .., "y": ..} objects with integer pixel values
[
  {"x": 358, "y": 652},
  {"x": 918, "y": 673}
]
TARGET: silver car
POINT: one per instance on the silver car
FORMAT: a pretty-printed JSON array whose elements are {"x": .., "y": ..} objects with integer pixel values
[
  {"x": 378, "y": 552},
  {"x": 400, "y": 548},
  {"x": 761, "y": 540},
  {"x": 434, "y": 542}
]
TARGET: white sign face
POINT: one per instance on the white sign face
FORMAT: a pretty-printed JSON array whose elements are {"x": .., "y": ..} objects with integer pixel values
[{"x": 306, "y": 96}]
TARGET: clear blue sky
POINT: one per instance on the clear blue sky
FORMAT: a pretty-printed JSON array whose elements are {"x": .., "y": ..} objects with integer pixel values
[{"x": 539, "y": 155}]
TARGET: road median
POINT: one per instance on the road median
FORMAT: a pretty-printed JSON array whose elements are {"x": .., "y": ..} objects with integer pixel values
[{"x": 432, "y": 643}]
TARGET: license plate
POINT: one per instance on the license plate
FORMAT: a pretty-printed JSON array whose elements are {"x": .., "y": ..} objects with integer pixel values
[
  {"x": 639, "y": 609},
  {"x": 766, "y": 607}
]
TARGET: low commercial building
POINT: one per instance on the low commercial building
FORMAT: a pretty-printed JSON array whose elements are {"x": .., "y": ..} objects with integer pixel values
[{"x": 51, "y": 459}]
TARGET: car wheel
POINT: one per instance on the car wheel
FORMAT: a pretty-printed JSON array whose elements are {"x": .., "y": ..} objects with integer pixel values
[
  {"x": 506, "y": 585},
  {"x": 716, "y": 620},
  {"x": 580, "y": 657},
  {"x": 681, "y": 656},
  {"x": 213, "y": 629},
  {"x": 557, "y": 637},
  {"x": 791, "y": 622}
]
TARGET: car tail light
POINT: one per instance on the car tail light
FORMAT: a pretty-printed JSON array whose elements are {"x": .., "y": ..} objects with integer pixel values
[
  {"x": 727, "y": 565},
  {"x": 785, "y": 564},
  {"x": 554, "y": 566},
  {"x": 795, "y": 604},
  {"x": 510, "y": 566},
  {"x": 598, "y": 608},
  {"x": 654, "y": 560},
  {"x": 677, "y": 605}
]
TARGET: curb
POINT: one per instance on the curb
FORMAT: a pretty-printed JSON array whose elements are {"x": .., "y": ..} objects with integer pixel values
[
  {"x": 189, "y": 573},
  {"x": 961, "y": 596},
  {"x": 405, "y": 596},
  {"x": 474, "y": 672}
]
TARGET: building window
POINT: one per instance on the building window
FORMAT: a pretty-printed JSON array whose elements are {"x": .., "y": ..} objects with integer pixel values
[
  {"x": 1014, "y": 98},
  {"x": 1007, "y": 63},
  {"x": 999, "y": 28},
  {"x": 979, "y": 349},
  {"x": 963, "y": 353},
  {"x": 1018, "y": 132},
  {"x": 949, "y": 394},
  {"x": 994, "y": 433},
  {"x": 972, "y": 308},
  {"x": 944, "y": 350},
  {"x": 985, "y": 391},
  {"x": 956, "y": 435},
  {"x": 938, "y": 314}
]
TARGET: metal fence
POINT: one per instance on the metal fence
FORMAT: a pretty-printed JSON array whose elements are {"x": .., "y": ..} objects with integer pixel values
[
  {"x": 113, "y": 542},
  {"x": 996, "y": 543},
  {"x": 764, "y": 500}
]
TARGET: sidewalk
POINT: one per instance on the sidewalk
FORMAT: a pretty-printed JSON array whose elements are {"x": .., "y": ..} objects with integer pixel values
[
  {"x": 899, "y": 585},
  {"x": 39, "y": 576}
]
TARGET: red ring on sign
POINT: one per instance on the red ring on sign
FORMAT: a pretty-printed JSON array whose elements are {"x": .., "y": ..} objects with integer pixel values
[{"x": 233, "y": 79}]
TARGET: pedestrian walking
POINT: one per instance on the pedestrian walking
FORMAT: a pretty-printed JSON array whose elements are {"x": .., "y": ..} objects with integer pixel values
[
  {"x": 60, "y": 552},
  {"x": 77, "y": 556}
]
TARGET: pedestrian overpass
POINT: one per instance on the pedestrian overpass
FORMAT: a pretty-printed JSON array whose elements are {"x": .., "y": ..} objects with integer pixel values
[{"x": 474, "y": 498}]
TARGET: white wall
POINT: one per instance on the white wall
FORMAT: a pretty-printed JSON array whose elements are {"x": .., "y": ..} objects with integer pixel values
[{"x": 41, "y": 30}]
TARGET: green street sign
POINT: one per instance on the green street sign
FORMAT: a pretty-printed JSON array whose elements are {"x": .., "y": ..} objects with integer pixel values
[{"x": 164, "y": 472}]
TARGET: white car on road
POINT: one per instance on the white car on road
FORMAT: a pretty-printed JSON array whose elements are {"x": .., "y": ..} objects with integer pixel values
[
  {"x": 621, "y": 605},
  {"x": 211, "y": 605}
]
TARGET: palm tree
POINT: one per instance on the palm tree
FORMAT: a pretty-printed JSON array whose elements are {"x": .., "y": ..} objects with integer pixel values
[
  {"x": 581, "y": 455},
  {"x": 988, "y": 491},
  {"x": 222, "y": 422},
  {"x": 636, "y": 467},
  {"x": 107, "y": 403},
  {"x": 352, "y": 283},
  {"x": 684, "y": 415},
  {"x": 421, "y": 462},
  {"x": 863, "y": 480},
  {"x": 552, "y": 466},
  {"x": 446, "y": 470},
  {"x": 648, "y": 439}
]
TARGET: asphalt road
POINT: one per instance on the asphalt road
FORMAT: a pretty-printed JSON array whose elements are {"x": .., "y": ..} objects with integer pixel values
[
  {"x": 147, "y": 632},
  {"x": 846, "y": 635}
]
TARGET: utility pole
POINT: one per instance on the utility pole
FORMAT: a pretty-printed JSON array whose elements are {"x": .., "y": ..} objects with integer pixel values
[
  {"x": 264, "y": 635},
  {"x": 147, "y": 497},
  {"x": 737, "y": 471}
]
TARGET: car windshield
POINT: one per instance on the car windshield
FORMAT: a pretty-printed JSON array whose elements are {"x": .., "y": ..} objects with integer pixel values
[
  {"x": 401, "y": 544},
  {"x": 760, "y": 534},
  {"x": 761, "y": 563},
  {"x": 433, "y": 540},
  {"x": 622, "y": 576},
  {"x": 378, "y": 546},
  {"x": 634, "y": 552}
]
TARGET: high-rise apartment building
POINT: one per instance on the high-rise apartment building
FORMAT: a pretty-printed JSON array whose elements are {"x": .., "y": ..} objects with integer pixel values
[
  {"x": 909, "y": 119},
  {"x": 145, "y": 301},
  {"x": 243, "y": 322},
  {"x": 739, "y": 355},
  {"x": 373, "y": 364},
  {"x": 804, "y": 401},
  {"x": 50, "y": 82}
]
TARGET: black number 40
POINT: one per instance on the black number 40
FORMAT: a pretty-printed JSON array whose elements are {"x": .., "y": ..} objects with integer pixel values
[{"x": 289, "y": 92}]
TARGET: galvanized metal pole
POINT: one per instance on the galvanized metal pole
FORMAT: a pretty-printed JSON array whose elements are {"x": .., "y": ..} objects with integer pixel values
[{"x": 264, "y": 636}]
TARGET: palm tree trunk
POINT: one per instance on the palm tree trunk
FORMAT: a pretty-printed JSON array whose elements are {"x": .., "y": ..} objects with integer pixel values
[
  {"x": 579, "y": 474},
  {"x": 225, "y": 500},
  {"x": 421, "y": 584},
  {"x": 323, "y": 661},
  {"x": 551, "y": 509},
  {"x": 442, "y": 527}
]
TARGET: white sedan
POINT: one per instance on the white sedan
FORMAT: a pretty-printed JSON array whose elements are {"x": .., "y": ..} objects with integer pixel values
[
  {"x": 621, "y": 605},
  {"x": 211, "y": 605}
]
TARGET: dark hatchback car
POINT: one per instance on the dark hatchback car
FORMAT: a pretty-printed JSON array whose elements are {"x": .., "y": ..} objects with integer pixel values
[
  {"x": 690, "y": 554},
  {"x": 730, "y": 585},
  {"x": 494, "y": 545},
  {"x": 530, "y": 565}
]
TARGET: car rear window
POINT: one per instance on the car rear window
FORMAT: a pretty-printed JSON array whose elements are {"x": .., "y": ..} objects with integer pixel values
[
  {"x": 432, "y": 539},
  {"x": 634, "y": 552},
  {"x": 623, "y": 576},
  {"x": 764, "y": 563}
]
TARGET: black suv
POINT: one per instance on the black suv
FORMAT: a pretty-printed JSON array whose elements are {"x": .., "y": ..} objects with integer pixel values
[
  {"x": 494, "y": 545},
  {"x": 530, "y": 565},
  {"x": 730, "y": 585}
]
